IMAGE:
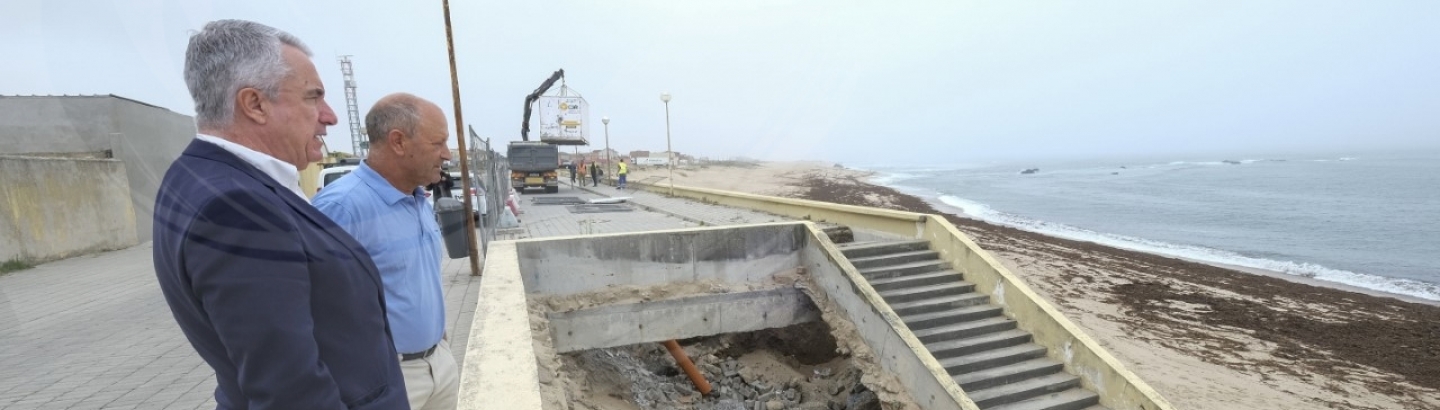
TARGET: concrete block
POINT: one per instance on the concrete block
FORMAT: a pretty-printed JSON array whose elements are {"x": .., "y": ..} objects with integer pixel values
[{"x": 704, "y": 315}]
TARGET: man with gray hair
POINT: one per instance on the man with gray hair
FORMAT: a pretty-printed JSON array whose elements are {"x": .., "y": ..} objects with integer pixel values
[
  {"x": 286, "y": 307},
  {"x": 382, "y": 204}
]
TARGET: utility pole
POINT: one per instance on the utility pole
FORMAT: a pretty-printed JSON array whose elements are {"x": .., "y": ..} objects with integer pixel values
[
  {"x": 359, "y": 143},
  {"x": 460, "y": 142}
]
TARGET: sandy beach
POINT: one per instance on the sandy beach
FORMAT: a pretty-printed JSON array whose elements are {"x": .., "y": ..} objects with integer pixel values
[{"x": 1206, "y": 337}]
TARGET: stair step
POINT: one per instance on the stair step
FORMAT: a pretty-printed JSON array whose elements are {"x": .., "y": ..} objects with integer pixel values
[
  {"x": 1024, "y": 390},
  {"x": 991, "y": 359},
  {"x": 926, "y": 292},
  {"x": 856, "y": 244},
  {"x": 921, "y": 279},
  {"x": 954, "y": 348},
  {"x": 939, "y": 304},
  {"x": 951, "y": 316},
  {"x": 988, "y": 378},
  {"x": 893, "y": 259},
  {"x": 964, "y": 330},
  {"x": 864, "y": 249},
  {"x": 910, "y": 268},
  {"x": 1073, "y": 399}
]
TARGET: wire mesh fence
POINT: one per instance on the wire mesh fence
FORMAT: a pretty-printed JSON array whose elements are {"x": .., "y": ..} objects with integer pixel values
[{"x": 490, "y": 172}]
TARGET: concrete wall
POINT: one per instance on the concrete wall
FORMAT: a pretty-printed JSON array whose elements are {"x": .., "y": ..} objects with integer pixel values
[
  {"x": 725, "y": 254},
  {"x": 1118, "y": 388},
  {"x": 61, "y": 207},
  {"x": 907, "y": 224},
  {"x": 500, "y": 370},
  {"x": 145, "y": 137}
]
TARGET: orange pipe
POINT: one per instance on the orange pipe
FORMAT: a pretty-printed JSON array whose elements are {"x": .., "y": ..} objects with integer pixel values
[{"x": 690, "y": 370}]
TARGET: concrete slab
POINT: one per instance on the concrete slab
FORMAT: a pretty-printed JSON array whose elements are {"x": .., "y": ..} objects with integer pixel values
[{"x": 695, "y": 316}]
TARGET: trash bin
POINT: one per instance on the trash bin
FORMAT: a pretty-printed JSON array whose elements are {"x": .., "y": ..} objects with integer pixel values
[{"x": 450, "y": 213}]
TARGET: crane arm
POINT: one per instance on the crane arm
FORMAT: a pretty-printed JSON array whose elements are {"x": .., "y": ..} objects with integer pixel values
[{"x": 530, "y": 100}]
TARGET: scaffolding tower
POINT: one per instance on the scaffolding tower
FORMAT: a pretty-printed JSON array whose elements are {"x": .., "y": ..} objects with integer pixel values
[{"x": 359, "y": 143}]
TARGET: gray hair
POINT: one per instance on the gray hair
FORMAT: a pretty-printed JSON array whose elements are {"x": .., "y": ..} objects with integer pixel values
[
  {"x": 227, "y": 55},
  {"x": 396, "y": 114}
]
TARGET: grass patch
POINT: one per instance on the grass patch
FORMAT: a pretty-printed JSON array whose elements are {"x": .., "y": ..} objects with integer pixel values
[{"x": 14, "y": 265}]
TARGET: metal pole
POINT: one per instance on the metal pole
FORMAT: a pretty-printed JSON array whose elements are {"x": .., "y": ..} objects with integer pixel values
[
  {"x": 607, "y": 144},
  {"x": 669, "y": 152},
  {"x": 460, "y": 137}
]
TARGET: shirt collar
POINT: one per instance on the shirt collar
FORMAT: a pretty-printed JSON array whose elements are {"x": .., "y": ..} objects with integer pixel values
[
  {"x": 381, "y": 186},
  {"x": 281, "y": 171}
]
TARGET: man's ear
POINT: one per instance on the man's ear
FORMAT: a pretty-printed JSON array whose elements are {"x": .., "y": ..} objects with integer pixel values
[
  {"x": 252, "y": 104},
  {"x": 395, "y": 139}
]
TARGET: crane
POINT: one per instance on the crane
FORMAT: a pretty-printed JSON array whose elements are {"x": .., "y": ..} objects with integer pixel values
[{"x": 530, "y": 100}]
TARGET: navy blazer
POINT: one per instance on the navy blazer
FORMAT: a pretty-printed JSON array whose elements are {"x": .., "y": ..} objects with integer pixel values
[{"x": 286, "y": 307}]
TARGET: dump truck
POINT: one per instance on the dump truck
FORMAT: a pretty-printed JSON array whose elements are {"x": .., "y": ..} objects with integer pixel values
[{"x": 533, "y": 164}]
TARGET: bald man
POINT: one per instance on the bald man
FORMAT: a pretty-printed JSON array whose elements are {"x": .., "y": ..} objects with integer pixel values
[{"x": 382, "y": 204}]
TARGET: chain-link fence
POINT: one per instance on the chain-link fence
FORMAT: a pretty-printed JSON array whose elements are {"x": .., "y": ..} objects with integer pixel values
[{"x": 490, "y": 171}]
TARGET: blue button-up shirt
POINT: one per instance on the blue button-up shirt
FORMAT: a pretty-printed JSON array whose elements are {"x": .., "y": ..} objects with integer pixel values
[{"x": 400, "y": 233}]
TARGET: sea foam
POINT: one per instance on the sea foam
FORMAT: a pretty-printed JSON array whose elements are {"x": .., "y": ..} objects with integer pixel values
[{"x": 1399, "y": 286}]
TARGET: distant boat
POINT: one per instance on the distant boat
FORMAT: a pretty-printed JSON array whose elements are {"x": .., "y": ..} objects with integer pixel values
[
  {"x": 1231, "y": 162},
  {"x": 1029, "y": 171}
]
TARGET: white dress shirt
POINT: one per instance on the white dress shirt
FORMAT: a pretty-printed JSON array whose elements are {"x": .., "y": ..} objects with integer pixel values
[{"x": 281, "y": 171}]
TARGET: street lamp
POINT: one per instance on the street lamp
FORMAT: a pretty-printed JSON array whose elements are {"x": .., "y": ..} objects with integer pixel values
[
  {"x": 669, "y": 152},
  {"x": 606, "y": 121}
]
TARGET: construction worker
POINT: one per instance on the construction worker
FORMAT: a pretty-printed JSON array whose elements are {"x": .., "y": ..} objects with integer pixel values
[{"x": 623, "y": 171}]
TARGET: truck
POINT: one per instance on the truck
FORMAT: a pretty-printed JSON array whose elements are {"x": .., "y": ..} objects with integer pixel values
[{"x": 533, "y": 164}]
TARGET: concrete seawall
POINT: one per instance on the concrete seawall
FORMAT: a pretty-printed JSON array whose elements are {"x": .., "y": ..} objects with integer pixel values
[{"x": 60, "y": 207}]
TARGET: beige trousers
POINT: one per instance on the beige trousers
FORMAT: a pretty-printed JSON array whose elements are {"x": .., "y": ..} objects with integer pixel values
[{"x": 432, "y": 383}]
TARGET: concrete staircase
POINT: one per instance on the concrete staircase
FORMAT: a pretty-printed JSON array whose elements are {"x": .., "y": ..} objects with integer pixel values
[{"x": 993, "y": 362}]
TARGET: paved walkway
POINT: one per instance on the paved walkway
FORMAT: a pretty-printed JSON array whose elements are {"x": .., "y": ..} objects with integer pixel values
[{"x": 93, "y": 332}]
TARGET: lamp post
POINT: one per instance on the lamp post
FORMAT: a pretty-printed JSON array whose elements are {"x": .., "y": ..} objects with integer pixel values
[
  {"x": 669, "y": 152},
  {"x": 606, "y": 121}
]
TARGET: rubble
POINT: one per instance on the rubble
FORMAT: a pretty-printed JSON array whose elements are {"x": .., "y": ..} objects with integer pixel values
[{"x": 799, "y": 367}]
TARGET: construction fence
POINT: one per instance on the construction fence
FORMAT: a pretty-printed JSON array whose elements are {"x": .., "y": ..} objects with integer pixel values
[{"x": 490, "y": 171}]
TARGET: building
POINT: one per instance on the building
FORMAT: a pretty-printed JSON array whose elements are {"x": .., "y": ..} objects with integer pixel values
[{"x": 144, "y": 137}]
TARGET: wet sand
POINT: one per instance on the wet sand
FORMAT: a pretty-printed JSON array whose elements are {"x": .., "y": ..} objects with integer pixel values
[{"x": 1206, "y": 337}]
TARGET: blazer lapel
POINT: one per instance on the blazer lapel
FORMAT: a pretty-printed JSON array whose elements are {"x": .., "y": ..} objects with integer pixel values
[{"x": 210, "y": 151}]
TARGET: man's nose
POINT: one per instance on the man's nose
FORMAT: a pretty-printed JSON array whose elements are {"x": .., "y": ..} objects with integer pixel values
[{"x": 327, "y": 115}]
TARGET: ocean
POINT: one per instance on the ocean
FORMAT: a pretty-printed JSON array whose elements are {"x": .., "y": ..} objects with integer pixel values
[{"x": 1371, "y": 221}]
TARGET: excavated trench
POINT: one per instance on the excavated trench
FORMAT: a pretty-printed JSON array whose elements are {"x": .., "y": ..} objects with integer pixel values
[{"x": 816, "y": 365}]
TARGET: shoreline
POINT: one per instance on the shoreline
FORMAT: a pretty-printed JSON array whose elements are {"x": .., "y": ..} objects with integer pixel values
[
  {"x": 954, "y": 211},
  {"x": 1205, "y": 336}
]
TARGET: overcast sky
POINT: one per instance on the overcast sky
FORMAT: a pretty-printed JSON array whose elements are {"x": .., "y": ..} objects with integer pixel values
[{"x": 867, "y": 82}]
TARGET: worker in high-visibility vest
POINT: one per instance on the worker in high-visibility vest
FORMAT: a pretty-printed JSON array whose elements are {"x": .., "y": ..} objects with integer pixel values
[{"x": 623, "y": 171}]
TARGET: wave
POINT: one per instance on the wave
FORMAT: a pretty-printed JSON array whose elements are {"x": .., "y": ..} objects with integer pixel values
[
  {"x": 1399, "y": 286},
  {"x": 890, "y": 178}
]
